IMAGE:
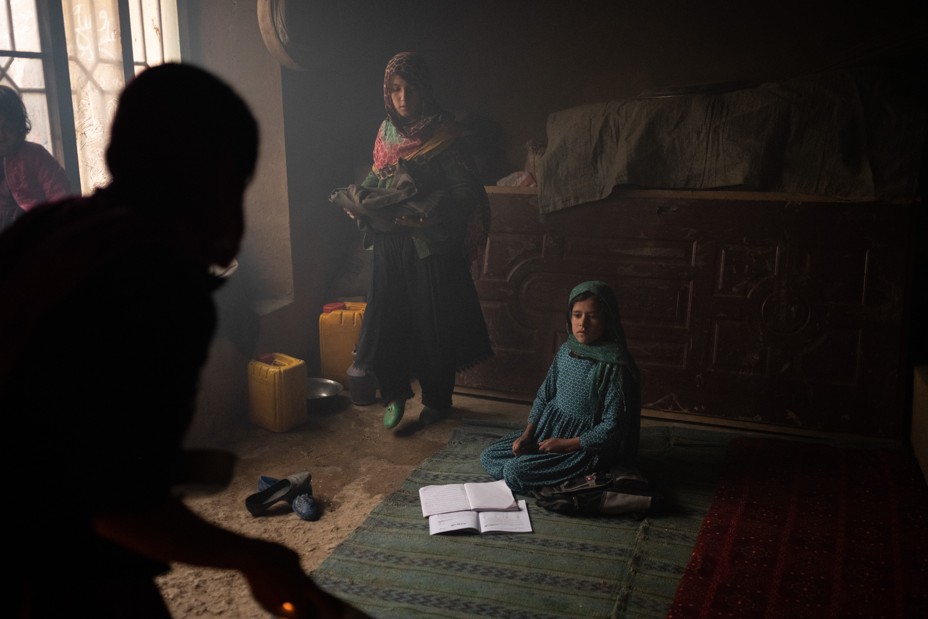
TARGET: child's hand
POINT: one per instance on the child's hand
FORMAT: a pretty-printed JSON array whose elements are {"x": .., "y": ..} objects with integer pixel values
[
  {"x": 559, "y": 445},
  {"x": 524, "y": 444}
]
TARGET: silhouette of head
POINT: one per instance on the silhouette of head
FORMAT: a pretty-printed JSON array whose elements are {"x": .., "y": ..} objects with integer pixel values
[
  {"x": 184, "y": 144},
  {"x": 173, "y": 122}
]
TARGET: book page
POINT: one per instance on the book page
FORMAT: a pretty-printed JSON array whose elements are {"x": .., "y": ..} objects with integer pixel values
[
  {"x": 443, "y": 498},
  {"x": 465, "y": 521},
  {"x": 490, "y": 495},
  {"x": 506, "y": 522}
]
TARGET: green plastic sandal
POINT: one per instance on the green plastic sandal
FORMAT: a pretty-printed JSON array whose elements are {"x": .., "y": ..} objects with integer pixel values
[{"x": 393, "y": 414}]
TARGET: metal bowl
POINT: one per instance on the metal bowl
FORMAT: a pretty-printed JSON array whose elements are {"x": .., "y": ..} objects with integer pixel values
[{"x": 322, "y": 388}]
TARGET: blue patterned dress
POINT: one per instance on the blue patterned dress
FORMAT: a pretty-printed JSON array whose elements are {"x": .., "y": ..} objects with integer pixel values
[{"x": 563, "y": 408}]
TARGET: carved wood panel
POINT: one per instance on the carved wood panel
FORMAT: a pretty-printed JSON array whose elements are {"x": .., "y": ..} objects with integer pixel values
[{"x": 765, "y": 311}]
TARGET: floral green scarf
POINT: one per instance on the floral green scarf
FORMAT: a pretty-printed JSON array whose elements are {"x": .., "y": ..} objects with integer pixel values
[{"x": 398, "y": 139}]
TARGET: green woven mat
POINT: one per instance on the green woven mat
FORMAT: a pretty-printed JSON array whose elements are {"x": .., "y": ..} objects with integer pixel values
[{"x": 568, "y": 567}]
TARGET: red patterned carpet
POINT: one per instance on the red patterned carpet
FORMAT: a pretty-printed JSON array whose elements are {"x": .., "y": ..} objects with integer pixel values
[{"x": 799, "y": 529}]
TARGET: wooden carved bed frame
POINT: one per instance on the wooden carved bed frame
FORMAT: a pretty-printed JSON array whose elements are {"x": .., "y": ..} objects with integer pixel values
[{"x": 742, "y": 309}]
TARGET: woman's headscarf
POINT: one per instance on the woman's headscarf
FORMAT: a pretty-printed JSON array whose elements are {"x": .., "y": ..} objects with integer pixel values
[
  {"x": 397, "y": 137},
  {"x": 611, "y": 348}
]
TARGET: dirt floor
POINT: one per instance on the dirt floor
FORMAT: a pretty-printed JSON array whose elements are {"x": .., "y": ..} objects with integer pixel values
[{"x": 354, "y": 462}]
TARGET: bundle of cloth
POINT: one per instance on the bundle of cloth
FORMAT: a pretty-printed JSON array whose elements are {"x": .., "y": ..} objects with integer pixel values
[{"x": 388, "y": 208}]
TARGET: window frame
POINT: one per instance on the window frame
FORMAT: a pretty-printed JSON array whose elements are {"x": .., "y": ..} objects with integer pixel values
[
  {"x": 54, "y": 54},
  {"x": 56, "y": 71}
]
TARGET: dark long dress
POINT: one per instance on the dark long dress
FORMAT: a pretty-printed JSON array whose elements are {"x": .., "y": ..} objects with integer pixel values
[{"x": 423, "y": 319}]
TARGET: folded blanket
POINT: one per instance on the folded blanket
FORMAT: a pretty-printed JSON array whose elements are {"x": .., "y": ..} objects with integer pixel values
[
  {"x": 387, "y": 209},
  {"x": 852, "y": 135}
]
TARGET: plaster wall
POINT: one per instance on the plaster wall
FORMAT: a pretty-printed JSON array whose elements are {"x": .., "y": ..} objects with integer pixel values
[{"x": 257, "y": 312}]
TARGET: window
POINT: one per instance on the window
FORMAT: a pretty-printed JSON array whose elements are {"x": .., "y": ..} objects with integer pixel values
[
  {"x": 87, "y": 49},
  {"x": 22, "y": 63}
]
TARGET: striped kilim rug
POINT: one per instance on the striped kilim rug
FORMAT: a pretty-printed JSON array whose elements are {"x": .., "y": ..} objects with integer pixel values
[{"x": 568, "y": 567}]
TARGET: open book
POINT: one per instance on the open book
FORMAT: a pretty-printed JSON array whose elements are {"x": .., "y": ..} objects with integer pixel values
[
  {"x": 471, "y": 521},
  {"x": 482, "y": 496}
]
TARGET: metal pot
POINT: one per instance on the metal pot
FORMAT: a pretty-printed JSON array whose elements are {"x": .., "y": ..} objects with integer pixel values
[{"x": 322, "y": 388}]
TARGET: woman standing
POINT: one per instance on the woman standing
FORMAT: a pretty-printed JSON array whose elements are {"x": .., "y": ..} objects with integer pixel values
[
  {"x": 586, "y": 414},
  {"x": 423, "y": 319},
  {"x": 29, "y": 174}
]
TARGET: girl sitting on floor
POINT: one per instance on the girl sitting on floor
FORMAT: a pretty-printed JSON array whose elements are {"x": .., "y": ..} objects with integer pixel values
[{"x": 586, "y": 414}]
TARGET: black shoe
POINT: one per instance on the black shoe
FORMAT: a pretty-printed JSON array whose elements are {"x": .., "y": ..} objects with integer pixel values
[
  {"x": 430, "y": 415},
  {"x": 285, "y": 489}
]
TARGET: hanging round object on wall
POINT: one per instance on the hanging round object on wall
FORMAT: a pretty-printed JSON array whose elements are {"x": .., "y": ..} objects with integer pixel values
[
  {"x": 272, "y": 21},
  {"x": 308, "y": 35}
]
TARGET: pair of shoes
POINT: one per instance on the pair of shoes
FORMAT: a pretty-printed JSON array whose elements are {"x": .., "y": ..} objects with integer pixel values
[
  {"x": 285, "y": 489},
  {"x": 393, "y": 414},
  {"x": 305, "y": 505},
  {"x": 430, "y": 415}
]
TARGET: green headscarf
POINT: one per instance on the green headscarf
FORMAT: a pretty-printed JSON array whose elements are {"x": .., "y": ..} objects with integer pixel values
[{"x": 611, "y": 349}]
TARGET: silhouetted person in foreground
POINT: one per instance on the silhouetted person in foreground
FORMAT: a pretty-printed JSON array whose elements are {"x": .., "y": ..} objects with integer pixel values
[{"x": 106, "y": 316}]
